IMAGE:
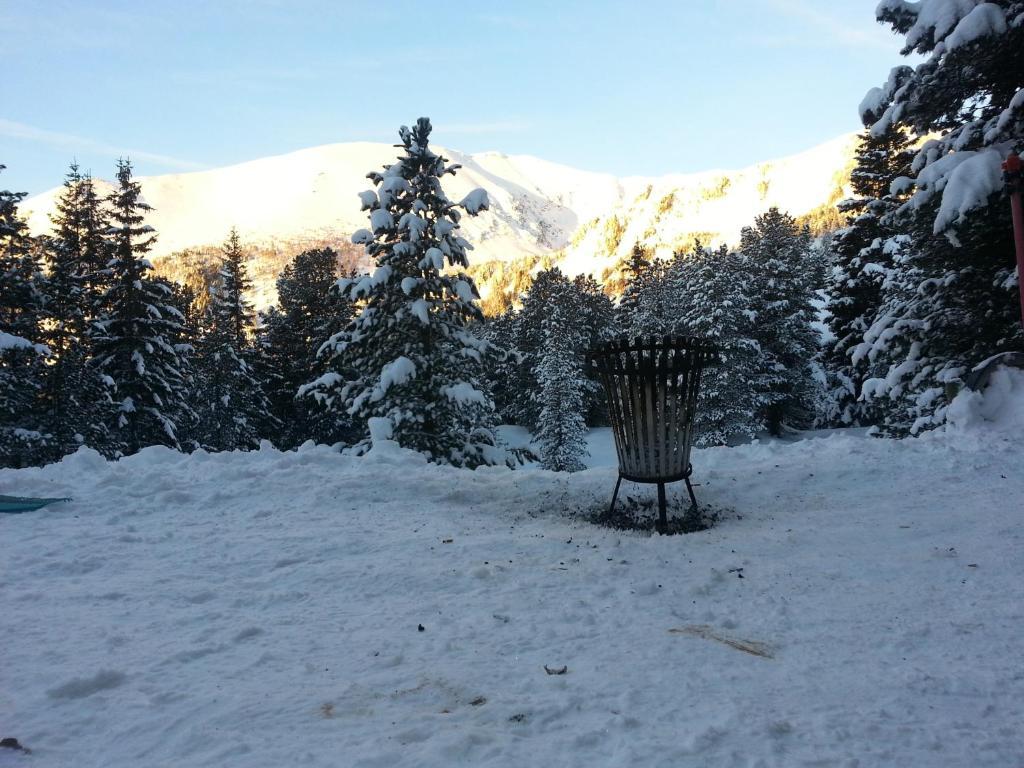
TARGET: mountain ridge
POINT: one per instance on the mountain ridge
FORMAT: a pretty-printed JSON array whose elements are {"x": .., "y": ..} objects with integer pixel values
[{"x": 584, "y": 221}]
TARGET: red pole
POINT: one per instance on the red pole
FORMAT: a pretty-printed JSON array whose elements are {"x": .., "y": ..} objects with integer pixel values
[{"x": 1014, "y": 181}]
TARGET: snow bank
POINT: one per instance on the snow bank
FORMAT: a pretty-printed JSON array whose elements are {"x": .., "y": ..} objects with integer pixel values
[{"x": 996, "y": 412}]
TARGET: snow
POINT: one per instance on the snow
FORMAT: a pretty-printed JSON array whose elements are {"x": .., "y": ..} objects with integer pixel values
[
  {"x": 395, "y": 373},
  {"x": 976, "y": 177},
  {"x": 421, "y": 309},
  {"x": 383, "y": 449},
  {"x": 973, "y": 414},
  {"x": 362, "y": 237},
  {"x": 934, "y": 19},
  {"x": 464, "y": 392},
  {"x": 381, "y": 220},
  {"x": 368, "y": 199},
  {"x": 1006, "y": 117},
  {"x": 433, "y": 258},
  {"x": 984, "y": 20},
  {"x": 10, "y": 341},
  {"x": 324, "y": 381},
  {"x": 876, "y": 99},
  {"x": 365, "y": 285},
  {"x": 263, "y": 608},
  {"x": 465, "y": 291},
  {"x": 475, "y": 202},
  {"x": 966, "y": 179},
  {"x": 415, "y": 225}
]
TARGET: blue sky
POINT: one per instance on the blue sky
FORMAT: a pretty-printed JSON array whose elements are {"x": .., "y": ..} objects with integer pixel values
[{"x": 642, "y": 87}]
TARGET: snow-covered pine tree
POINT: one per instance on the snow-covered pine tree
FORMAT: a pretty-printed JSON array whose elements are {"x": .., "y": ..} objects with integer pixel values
[
  {"x": 561, "y": 429},
  {"x": 184, "y": 337},
  {"x": 507, "y": 371},
  {"x": 132, "y": 341},
  {"x": 951, "y": 301},
  {"x": 597, "y": 324},
  {"x": 309, "y": 313},
  {"x": 549, "y": 286},
  {"x": 23, "y": 437},
  {"x": 644, "y": 306},
  {"x": 234, "y": 411},
  {"x": 76, "y": 404},
  {"x": 781, "y": 266},
  {"x": 862, "y": 263},
  {"x": 681, "y": 276},
  {"x": 714, "y": 289},
  {"x": 410, "y": 355},
  {"x": 66, "y": 272},
  {"x": 93, "y": 223},
  {"x": 522, "y": 334},
  {"x": 634, "y": 271},
  {"x": 22, "y": 290}
]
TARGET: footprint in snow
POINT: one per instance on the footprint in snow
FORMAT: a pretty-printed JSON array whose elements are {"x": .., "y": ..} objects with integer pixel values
[{"x": 81, "y": 687}]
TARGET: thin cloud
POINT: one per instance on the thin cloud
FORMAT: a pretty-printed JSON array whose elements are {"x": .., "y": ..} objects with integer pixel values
[
  {"x": 836, "y": 30},
  {"x": 68, "y": 141}
]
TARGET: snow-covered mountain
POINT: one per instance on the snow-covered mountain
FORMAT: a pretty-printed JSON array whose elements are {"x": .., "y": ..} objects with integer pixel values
[{"x": 581, "y": 220}]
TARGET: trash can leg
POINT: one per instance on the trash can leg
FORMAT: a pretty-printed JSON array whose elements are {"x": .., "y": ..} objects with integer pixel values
[
  {"x": 615, "y": 495},
  {"x": 693, "y": 499},
  {"x": 662, "y": 510}
]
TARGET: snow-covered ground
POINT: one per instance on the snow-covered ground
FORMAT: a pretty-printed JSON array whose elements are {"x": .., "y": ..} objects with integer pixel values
[{"x": 861, "y": 606}]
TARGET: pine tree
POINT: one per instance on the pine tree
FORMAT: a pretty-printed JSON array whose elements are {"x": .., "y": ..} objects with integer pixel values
[
  {"x": 645, "y": 305},
  {"x": 23, "y": 439},
  {"x": 93, "y": 246},
  {"x": 559, "y": 370},
  {"x": 66, "y": 301},
  {"x": 22, "y": 294},
  {"x": 596, "y": 321},
  {"x": 634, "y": 272},
  {"x": 410, "y": 356},
  {"x": 133, "y": 340},
  {"x": 950, "y": 302},
  {"x": 549, "y": 287},
  {"x": 782, "y": 271},
  {"x": 184, "y": 337},
  {"x": 861, "y": 266},
  {"x": 715, "y": 285},
  {"x": 76, "y": 405},
  {"x": 234, "y": 410},
  {"x": 522, "y": 335},
  {"x": 506, "y": 372},
  {"x": 311, "y": 311}
]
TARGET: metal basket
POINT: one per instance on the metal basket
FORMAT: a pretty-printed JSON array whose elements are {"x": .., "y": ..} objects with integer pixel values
[{"x": 652, "y": 385}]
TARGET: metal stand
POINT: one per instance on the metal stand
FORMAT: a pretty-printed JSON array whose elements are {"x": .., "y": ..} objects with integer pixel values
[
  {"x": 662, "y": 525},
  {"x": 615, "y": 495}
]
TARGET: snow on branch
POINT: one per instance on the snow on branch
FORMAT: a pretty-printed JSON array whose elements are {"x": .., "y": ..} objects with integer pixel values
[{"x": 476, "y": 201}]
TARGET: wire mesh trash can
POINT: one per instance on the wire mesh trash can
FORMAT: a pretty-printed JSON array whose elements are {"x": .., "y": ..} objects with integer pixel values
[{"x": 652, "y": 385}]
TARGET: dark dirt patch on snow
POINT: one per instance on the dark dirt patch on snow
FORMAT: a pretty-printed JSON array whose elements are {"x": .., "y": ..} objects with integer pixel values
[{"x": 641, "y": 514}]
